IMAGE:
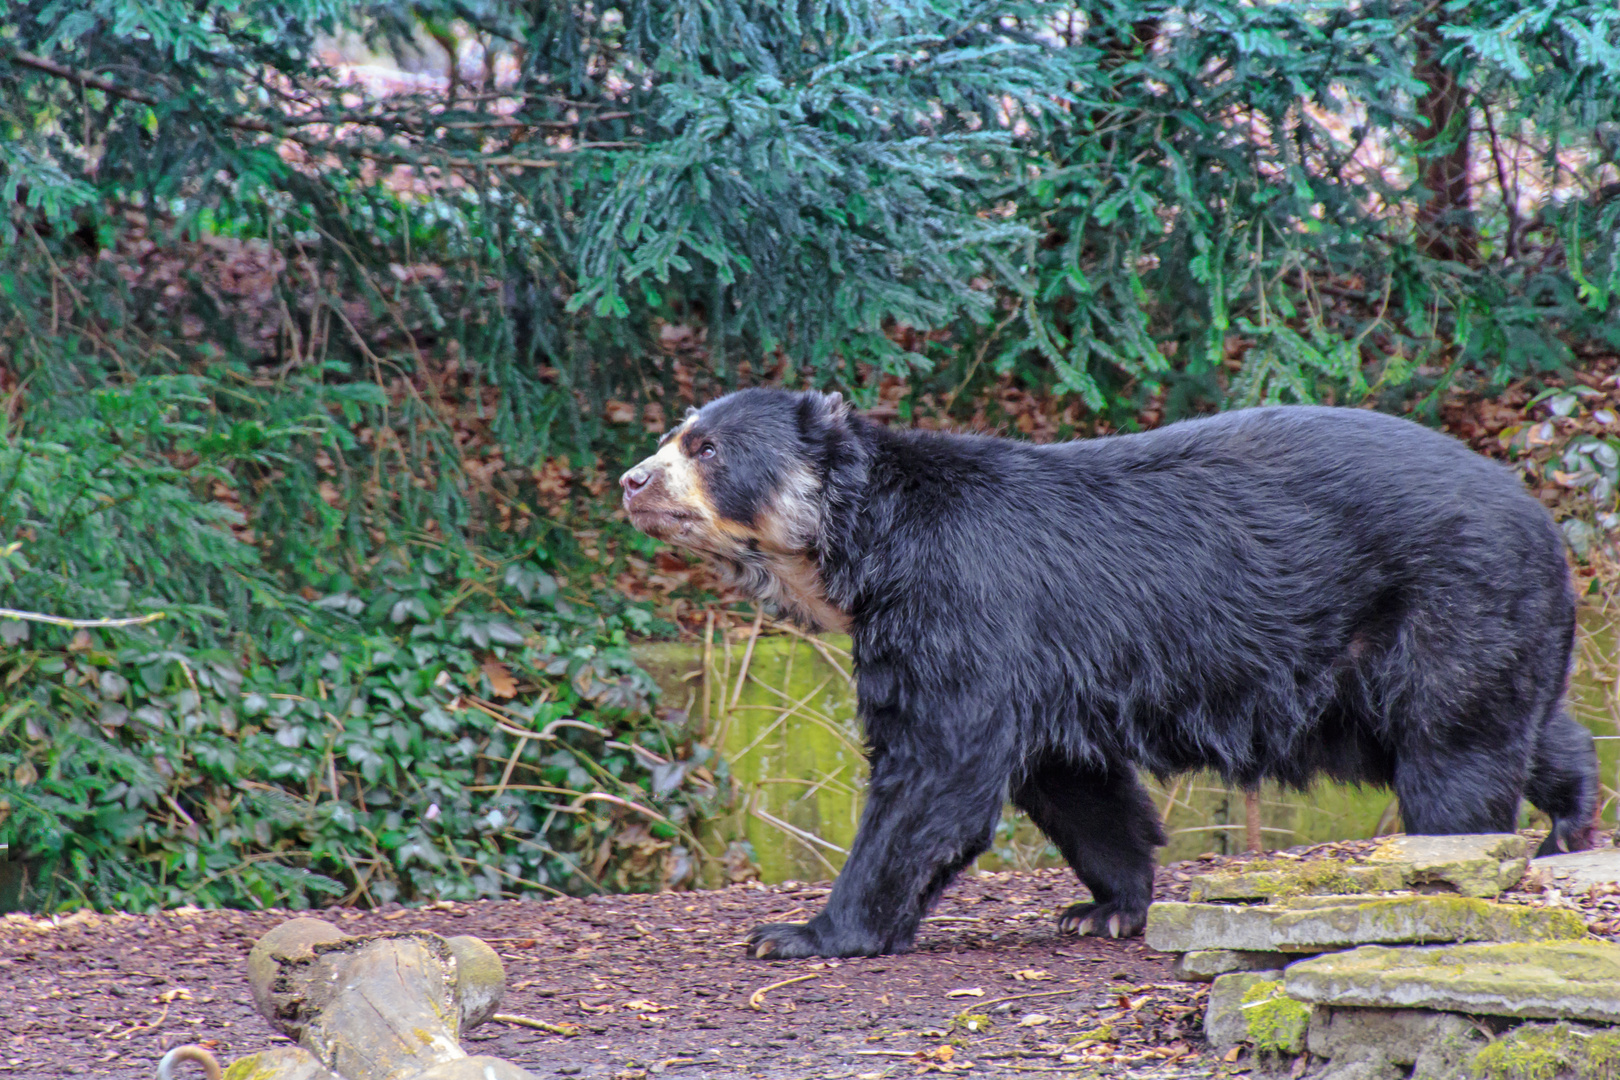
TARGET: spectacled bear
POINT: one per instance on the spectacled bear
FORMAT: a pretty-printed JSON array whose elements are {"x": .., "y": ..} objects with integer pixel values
[{"x": 1271, "y": 593}]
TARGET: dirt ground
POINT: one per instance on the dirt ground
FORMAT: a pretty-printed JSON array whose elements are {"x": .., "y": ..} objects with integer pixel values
[
  {"x": 659, "y": 984},
  {"x": 656, "y": 984}
]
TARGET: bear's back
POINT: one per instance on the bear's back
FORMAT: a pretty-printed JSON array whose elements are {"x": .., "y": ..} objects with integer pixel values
[{"x": 1229, "y": 542}]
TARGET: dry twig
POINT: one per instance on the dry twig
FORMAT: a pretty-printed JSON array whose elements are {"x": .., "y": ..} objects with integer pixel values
[{"x": 756, "y": 1000}]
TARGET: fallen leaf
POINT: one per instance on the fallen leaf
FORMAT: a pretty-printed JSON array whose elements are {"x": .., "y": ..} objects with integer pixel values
[
  {"x": 1233, "y": 1054},
  {"x": 643, "y": 1005},
  {"x": 1031, "y": 975},
  {"x": 966, "y": 991},
  {"x": 501, "y": 683},
  {"x": 1035, "y": 1020},
  {"x": 179, "y": 993}
]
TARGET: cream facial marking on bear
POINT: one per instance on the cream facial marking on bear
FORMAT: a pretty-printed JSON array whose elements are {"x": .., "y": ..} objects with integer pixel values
[
  {"x": 670, "y": 502},
  {"x": 769, "y": 560},
  {"x": 779, "y": 546}
]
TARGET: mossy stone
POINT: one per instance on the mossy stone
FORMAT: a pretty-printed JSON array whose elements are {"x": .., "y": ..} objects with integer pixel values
[
  {"x": 1276, "y": 1022},
  {"x": 1480, "y": 865},
  {"x": 1204, "y": 965},
  {"x": 1225, "y": 1023},
  {"x": 292, "y": 943},
  {"x": 1419, "y": 920},
  {"x": 1397, "y": 1036},
  {"x": 282, "y": 1063},
  {"x": 480, "y": 979},
  {"x": 1307, "y": 928},
  {"x": 1567, "y": 980},
  {"x": 1550, "y": 1052},
  {"x": 1278, "y": 878}
]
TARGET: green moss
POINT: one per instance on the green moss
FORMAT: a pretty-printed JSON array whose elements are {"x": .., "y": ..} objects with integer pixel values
[
  {"x": 977, "y": 1023},
  {"x": 1539, "y": 924},
  {"x": 249, "y": 1068},
  {"x": 1276, "y": 1021},
  {"x": 1277, "y": 879},
  {"x": 1101, "y": 1034},
  {"x": 1542, "y": 1052}
]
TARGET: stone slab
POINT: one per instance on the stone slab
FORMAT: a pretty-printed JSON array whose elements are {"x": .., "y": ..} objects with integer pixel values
[
  {"x": 1304, "y": 903},
  {"x": 1421, "y": 920},
  {"x": 1392, "y": 1036},
  {"x": 1476, "y": 864},
  {"x": 1182, "y": 928},
  {"x": 1548, "y": 1049},
  {"x": 1568, "y": 980},
  {"x": 1580, "y": 870},
  {"x": 1225, "y": 1025},
  {"x": 1277, "y": 1023},
  {"x": 1176, "y": 927},
  {"x": 1204, "y": 965},
  {"x": 1305, "y": 877}
]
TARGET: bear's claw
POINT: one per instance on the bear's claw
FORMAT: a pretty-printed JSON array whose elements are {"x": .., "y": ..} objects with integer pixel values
[
  {"x": 1112, "y": 919},
  {"x": 783, "y": 941}
]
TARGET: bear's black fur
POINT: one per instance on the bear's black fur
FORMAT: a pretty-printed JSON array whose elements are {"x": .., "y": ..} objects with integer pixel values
[{"x": 1274, "y": 594}]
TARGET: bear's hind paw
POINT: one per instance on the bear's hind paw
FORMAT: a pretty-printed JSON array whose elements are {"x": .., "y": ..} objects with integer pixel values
[{"x": 1111, "y": 919}]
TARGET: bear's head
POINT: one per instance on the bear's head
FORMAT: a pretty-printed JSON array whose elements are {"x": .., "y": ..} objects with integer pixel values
[{"x": 742, "y": 481}]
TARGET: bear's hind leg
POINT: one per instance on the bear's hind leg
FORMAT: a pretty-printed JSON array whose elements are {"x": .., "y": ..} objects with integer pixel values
[
  {"x": 1446, "y": 790},
  {"x": 1106, "y": 826},
  {"x": 1564, "y": 784}
]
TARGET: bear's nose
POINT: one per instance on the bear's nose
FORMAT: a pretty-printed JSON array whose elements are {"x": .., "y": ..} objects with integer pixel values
[{"x": 634, "y": 480}]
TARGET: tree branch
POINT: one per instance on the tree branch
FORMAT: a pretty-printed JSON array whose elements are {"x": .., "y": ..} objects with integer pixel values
[
  {"x": 261, "y": 127},
  {"x": 79, "y": 624}
]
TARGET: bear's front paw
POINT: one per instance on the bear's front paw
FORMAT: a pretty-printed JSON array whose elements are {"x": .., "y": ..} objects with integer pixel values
[
  {"x": 1113, "y": 919},
  {"x": 784, "y": 941}
]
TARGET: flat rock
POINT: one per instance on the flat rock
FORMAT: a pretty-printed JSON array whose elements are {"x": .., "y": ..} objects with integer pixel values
[
  {"x": 1393, "y": 1036},
  {"x": 1580, "y": 870},
  {"x": 1573, "y": 980},
  {"x": 1478, "y": 864},
  {"x": 1204, "y": 965},
  {"x": 1556, "y": 1049},
  {"x": 1305, "y": 877},
  {"x": 1182, "y": 928},
  {"x": 1225, "y": 1024}
]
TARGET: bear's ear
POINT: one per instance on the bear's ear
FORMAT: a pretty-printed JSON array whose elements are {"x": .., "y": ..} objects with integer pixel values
[
  {"x": 831, "y": 407},
  {"x": 821, "y": 414}
]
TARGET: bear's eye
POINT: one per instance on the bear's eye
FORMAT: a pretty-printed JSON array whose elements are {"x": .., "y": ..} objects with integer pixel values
[{"x": 706, "y": 450}]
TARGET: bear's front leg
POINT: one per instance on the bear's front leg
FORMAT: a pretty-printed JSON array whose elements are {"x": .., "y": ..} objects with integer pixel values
[{"x": 928, "y": 814}]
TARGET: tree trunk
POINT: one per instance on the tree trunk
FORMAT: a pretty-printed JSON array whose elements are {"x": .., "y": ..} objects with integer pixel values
[
  {"x": 1445, "y": 220},
  {"x": 1254, "y": 842}
]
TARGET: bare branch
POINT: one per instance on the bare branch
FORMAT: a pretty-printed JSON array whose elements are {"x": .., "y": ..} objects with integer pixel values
[{"x": 79, "y": 624}]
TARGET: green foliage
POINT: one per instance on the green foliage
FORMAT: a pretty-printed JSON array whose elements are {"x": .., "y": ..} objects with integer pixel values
[
  {"x": 147, "y": 776},
  {"x": 363, "y": 746},
  {"x": 1239, "y": 226},
  {"x": 310, "y": 368}
]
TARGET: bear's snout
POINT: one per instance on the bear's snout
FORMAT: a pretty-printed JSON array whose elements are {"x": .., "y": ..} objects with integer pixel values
[{"x": 634, "y": 482}]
